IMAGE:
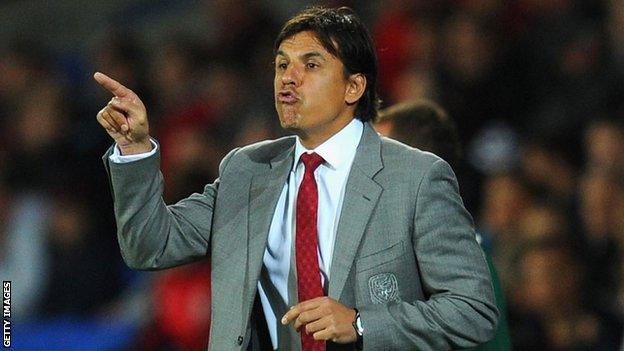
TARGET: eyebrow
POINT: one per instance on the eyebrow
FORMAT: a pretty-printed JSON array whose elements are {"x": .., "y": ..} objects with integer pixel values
[{"x": 305, "y": 56}]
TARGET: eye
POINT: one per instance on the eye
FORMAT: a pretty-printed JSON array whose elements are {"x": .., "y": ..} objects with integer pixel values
[
  {"x": 281, "y": 66},
  {"x": 311, "y": 65}
]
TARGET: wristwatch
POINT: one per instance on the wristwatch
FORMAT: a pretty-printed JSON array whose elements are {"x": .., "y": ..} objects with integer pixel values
[{"x": 359, "y": 330}]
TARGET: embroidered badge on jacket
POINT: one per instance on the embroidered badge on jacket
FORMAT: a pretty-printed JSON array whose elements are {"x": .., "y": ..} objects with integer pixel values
[{"x": 383, "y": 288}]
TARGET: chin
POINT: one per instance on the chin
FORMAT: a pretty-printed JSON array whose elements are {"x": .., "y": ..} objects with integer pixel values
[
  {"x": 289, "y": 121},
  {"x": 292, "y": 127}
]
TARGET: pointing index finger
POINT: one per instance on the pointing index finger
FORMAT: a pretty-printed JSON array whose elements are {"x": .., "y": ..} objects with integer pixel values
[{"x": 112, "y": 85}]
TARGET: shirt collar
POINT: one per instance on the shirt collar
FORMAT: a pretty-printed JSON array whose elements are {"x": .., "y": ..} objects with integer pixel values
[{"x": 337, "y": 149}]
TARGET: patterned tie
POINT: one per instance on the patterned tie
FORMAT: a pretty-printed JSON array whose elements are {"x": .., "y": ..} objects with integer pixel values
[{"x": 306, "y": 244}]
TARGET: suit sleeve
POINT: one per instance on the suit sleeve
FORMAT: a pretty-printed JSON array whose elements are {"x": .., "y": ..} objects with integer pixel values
[
  {"x": 460, "y": 310},
  {"x": 152, "y": 235}
]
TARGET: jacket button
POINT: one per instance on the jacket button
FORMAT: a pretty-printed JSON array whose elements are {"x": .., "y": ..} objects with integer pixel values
[{"x": 239, "y": 340}]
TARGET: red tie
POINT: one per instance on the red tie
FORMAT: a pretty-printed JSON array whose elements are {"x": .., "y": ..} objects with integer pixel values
[{"x": 306, "y": 244}]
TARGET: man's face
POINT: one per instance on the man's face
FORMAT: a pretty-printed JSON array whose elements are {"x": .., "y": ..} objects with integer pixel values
[{"x": 310, "y": 88}]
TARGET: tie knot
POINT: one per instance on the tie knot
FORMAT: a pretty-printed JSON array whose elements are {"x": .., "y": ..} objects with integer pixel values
[{"x": 311, "y": 161}]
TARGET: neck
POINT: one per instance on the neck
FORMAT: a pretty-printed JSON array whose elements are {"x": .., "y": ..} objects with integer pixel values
[{"x": 311, "y": 139}]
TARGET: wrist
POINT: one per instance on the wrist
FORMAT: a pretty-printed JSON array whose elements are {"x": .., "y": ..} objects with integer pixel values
[{"x": 136, "y": 148}]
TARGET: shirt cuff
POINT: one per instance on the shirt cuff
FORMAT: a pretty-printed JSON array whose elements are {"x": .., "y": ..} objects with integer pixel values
[{"x": 117, "y": 157}]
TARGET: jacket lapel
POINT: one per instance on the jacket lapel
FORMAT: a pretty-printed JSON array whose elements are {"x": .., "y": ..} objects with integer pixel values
[
  {"x": 361, "y": 196},
  {"x": 266, "y": 187}
]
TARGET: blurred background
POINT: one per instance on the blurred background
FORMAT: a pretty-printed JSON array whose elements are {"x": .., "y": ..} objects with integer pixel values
[{"x": 535, "y": 87}]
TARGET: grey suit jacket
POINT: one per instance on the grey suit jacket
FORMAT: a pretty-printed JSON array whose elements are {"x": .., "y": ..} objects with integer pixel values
[{"x": 405, "y": 253}]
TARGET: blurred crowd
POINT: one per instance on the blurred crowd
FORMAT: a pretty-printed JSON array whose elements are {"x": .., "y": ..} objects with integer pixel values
[{"x": 536, "y": 88}]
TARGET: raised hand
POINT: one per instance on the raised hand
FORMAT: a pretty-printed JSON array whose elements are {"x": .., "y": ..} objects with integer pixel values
[{"x": 124, "y": 118}]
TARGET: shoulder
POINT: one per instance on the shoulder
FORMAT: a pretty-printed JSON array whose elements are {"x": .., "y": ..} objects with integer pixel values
[
  {"x": 400, "y": 157},
  {"x": 422, "y": 172},
  {"x": 404, "y": 165},
  {"x": 268, "y": 148},
  {"x": 260, "y": 153}
]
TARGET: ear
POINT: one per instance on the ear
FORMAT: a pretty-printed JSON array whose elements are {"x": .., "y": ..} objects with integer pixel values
[{"x": 355, "y": 88}]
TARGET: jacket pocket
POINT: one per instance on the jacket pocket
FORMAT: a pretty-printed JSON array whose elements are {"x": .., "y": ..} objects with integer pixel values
[{"x": 385, "y": 255}]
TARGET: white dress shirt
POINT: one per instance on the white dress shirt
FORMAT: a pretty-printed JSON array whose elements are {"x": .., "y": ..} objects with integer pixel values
[{"x": 331, "y": 178}]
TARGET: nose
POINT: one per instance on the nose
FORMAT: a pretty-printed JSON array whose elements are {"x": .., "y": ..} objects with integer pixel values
[{"x": 292, "y": 75}]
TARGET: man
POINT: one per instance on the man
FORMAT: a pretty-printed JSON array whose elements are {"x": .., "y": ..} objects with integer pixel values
[
  {"x": 333, "y": 239},
  {"x": 425, "y": 125}
]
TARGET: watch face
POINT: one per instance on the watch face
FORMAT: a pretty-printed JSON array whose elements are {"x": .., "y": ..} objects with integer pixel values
[{"x": 358, "y": 323}]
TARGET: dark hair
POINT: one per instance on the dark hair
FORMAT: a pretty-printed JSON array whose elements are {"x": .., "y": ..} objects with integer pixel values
[
  {"x": 425, "y": 125},
  {"x": 343, "y": 35}
]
